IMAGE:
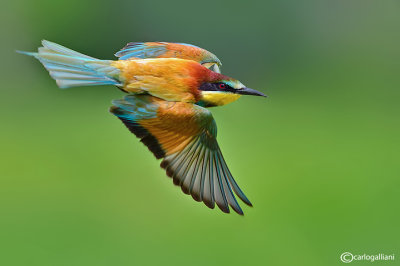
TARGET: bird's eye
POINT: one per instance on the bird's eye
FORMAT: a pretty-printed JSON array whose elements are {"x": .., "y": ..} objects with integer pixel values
[{"x": 221, "y": 86}]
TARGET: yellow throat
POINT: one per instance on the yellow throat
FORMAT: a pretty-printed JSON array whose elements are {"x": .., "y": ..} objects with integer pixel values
[{"x": 217, "y": 98}]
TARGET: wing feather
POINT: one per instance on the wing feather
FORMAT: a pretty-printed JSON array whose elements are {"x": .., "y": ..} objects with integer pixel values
[
  {"x": 208, "y": 189},
  {"x": 232, "y": 181},
  {"x": 220, "y": 198},
  {"x": 184, "y": 136},
  {"x": 145, "y": 50},
  {"x": 229, "y": 194},
  {"x": 190, "y": 160},
  {"x": 198, "y": 178},
  {"x": 179, "y": 165}
]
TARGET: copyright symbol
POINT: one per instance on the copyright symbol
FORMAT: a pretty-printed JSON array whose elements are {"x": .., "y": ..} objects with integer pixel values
[{"x": 346, "y": 257}]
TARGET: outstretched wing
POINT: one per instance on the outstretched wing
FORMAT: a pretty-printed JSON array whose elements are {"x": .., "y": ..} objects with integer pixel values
[
  {"x": 184, "y": 136},
  {"x": 170, "y": 50}
]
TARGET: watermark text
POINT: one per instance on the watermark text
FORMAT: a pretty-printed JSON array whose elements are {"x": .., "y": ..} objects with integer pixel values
[{"x": 348, "y": 257}]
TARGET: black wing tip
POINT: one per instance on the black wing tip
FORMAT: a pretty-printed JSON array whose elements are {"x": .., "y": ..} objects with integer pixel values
[
  {"x": 164, "y": 164},
  {"x": 246, "y": 201},
  {"x": 240, "y": 213},
  {"x": 209, "y": 204},
  {"x": 176, "y": 181},
  {"x": 169, "y": 172},
  {"x": 224, "y": 208},
  {"x": 185, "y": 190},
  {"x": 237, "y": 208},
  {"x": 196, "y": 197},
  {"x": 227, "y": 210}
]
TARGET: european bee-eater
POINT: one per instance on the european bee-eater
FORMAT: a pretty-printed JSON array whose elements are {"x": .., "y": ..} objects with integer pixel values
[{"x": 169, "y": 86}]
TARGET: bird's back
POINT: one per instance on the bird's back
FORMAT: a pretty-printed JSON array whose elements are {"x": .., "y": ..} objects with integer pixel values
[{"x": 171, "y": 79}]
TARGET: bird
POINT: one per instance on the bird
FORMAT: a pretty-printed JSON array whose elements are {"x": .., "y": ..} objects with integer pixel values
[{"x": 169, "y": 88}]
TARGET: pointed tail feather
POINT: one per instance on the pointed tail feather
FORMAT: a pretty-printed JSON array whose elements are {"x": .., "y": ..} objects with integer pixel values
[{"x": 71, "y": 69}]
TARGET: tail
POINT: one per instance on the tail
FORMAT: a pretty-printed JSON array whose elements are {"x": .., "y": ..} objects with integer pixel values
[{"x": 72, "y": 69}]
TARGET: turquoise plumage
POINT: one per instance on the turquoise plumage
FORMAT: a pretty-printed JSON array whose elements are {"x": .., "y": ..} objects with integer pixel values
[
  {"x": 168, "y": 50},
  {"x": 72, "y": 69},
  {"x": 140, "y": 50}
]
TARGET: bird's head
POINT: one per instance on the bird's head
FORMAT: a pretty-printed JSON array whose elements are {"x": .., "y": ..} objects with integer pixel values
[{"x": 224, "y": 90}]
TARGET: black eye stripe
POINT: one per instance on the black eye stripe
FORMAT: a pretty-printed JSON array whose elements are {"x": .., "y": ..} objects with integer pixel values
[{"x": 216, "y": 87}]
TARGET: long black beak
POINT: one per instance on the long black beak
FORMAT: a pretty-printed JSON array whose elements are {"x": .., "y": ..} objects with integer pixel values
[{"x": 248, "y": 91}]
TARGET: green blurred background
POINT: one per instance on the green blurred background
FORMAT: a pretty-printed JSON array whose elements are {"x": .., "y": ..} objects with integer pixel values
[{"x": 319, "y": 158}]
